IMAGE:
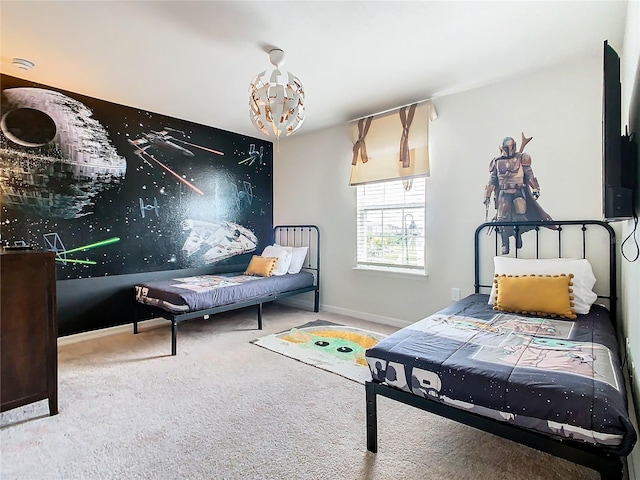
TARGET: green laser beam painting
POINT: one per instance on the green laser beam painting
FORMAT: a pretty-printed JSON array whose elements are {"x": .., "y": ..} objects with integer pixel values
[{"x": 116, "y": 190}]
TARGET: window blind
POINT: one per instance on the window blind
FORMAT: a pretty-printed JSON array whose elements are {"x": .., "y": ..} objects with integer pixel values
[{"x": 391, "y": 224}]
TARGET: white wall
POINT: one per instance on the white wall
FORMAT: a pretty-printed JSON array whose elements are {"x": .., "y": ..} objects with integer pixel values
[
  {"x": 630, "y": 272},
  {"x": 560, "y": 108}
]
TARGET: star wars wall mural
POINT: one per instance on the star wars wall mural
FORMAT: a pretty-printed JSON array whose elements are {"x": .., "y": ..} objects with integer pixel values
[
  {"x": 515, "y": 191},
  {"x": 116, "y": 190}
]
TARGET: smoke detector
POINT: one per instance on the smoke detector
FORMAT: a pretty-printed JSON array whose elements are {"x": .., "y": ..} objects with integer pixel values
[{"x": 23, "y": 63}]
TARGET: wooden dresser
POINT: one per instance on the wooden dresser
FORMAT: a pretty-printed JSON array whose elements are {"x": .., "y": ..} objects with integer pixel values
[{"x": 28, "y": 329}]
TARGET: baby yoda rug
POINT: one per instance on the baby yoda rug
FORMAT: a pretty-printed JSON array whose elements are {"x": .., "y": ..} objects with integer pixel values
[{"x": 326, "y": 345}]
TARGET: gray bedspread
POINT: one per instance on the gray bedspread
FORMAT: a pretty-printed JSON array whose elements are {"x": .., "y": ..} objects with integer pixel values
[
  {"x": 558, "y": 377},
  {"x": 188, "y": 294}
]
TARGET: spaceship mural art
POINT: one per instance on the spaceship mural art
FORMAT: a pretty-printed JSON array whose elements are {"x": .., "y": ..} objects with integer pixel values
[
  {"x": 219, "y": 240},
  {"x": 115, "y": 190}
]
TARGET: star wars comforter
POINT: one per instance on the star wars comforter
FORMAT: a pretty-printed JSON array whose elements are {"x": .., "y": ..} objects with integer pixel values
[
  {"x": 558, "y": 377},
  {"x": 189, "y": 294}
]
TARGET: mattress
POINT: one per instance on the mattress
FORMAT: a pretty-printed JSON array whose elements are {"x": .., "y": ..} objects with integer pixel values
[
  {"x": 561, "y": 378},
  {"x": 189, "y": 294}
]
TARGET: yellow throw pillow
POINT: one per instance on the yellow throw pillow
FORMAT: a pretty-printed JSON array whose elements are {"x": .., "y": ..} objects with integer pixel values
[
  {"x": 261, "y": 266},
  {"x": 545, "y": 295}
]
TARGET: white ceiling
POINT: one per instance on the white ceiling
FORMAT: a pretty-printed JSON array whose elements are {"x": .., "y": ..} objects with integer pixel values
[{"x": 194, "y": 60}]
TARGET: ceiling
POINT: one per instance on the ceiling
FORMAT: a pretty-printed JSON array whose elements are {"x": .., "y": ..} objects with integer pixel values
[{"x": 194, "y": 60}]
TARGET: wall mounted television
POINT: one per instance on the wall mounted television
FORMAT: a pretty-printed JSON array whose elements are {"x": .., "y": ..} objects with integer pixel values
[{"x": 619, "y": 152}]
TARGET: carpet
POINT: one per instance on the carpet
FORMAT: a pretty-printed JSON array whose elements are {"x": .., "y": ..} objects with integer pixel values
[
  {"x": 224, "y": 409},
  {"x": 326, "y": 345}
]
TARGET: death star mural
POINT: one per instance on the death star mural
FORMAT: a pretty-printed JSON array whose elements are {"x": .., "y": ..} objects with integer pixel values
[{"x": 54, "y": 157}]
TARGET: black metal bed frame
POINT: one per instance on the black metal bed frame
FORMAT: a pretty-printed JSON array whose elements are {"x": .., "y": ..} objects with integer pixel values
[
  {"x": 287, "y": 235},
  {"x": 559, "y": 227},
  {"x": 609, "y": 465}
]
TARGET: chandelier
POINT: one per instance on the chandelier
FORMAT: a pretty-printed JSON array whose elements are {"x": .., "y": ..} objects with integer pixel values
[{"x": 276, "y": 99}]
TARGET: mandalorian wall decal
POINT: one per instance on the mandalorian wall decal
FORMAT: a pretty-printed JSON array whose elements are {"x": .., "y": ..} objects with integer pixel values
[{"x": 515, "y": 191}]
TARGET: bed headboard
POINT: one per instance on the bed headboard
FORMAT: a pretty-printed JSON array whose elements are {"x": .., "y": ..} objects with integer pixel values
[
  {"x": 301, "y": 236},
  {"x": 591, "y": 239}
]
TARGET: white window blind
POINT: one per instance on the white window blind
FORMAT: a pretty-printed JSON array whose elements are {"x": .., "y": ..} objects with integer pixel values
[{"x": 391, "y": 225}]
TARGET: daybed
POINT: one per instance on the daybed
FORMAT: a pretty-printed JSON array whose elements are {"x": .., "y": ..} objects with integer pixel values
[
  {"x": 180, "y": 299},
  {"x": 542, "y": 379}
]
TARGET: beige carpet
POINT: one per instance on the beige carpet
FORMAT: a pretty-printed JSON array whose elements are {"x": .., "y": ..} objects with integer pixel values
[{"x": 225, "y": 409}]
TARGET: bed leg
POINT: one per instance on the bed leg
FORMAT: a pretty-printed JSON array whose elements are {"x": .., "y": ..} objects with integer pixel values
[
  {"x": 135, "y": 320},
  {"x": 259, "y": 316},
  {"x": 611, "y": 470},
  {"x": 372, "y": 417},
  {"x": 316, "y": 302},
  {"x": 174, "y": 336}
]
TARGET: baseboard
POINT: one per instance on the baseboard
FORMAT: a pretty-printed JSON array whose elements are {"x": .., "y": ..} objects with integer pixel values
[
  {"x": 103, "y": 332},
  {"x": 157, "y": 322},
  {"x": 394, "y": 322}
]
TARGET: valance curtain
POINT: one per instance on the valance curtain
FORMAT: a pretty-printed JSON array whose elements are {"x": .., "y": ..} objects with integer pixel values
[{"x": 392, "y": 145}]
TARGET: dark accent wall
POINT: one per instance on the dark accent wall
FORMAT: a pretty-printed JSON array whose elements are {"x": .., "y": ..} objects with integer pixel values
[
  {"x": 124, "y": 195},
  {"x": 101, "y": 302}
]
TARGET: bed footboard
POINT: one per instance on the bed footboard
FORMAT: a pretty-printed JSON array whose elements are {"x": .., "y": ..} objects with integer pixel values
[{"x": 608, "y": 465}]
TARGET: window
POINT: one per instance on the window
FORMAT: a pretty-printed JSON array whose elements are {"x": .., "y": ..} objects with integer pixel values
[{"x": 391, "y": 225}]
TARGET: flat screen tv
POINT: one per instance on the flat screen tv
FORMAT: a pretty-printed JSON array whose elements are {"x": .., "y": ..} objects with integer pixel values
[
  {"x": 619, "y": 164},
  {"x": 634, "y": 132}
]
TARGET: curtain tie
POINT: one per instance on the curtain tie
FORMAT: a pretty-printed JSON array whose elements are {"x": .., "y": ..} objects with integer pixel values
[
  {"x": 359, "y": 146},
  {"x": 404, "y": 139}
]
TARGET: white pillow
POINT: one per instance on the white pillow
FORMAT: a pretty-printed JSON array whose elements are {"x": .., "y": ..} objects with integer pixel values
[
  {"x": 297, "y": 259},
  {"x": 284, "y": 258},
  {"x": 583, "y": 277}
]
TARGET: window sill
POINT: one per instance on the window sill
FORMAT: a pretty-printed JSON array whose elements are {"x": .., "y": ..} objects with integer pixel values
[{"x": 390, "y": 271}]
